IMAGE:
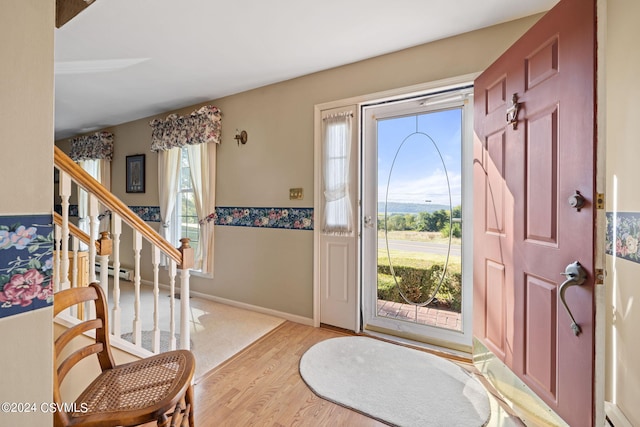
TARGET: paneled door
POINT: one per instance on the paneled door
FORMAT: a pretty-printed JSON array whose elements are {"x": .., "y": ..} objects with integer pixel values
[
  {"x": 336, "y": 231},
  {"x": 534, "y": 205}
]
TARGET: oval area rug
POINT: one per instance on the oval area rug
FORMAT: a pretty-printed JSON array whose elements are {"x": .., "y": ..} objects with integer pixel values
[{"x": 394, "y": 384}]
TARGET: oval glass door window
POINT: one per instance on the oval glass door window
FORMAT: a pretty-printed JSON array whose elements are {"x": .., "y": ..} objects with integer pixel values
[{"x": 419, "y": 216}]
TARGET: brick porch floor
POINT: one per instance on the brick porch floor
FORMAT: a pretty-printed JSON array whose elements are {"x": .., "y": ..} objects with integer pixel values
[{"x": 424, "y": 315}]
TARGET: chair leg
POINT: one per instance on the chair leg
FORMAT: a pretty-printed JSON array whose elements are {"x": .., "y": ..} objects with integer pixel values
[
  {"x": 187, "y": 411},
  {"x": 163, "y": 421},
  {"x": 188, "y": 400},
  {"x": 178, "y": 413}
]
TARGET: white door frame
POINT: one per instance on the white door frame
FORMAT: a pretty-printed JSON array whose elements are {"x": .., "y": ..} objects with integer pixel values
[
  {"x": 459, "y": 340},
  {"x": 389, "y": 95}
]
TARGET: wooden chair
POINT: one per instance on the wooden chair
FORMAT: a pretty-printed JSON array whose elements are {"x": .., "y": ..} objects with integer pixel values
[{"x": 156, "y": 388}]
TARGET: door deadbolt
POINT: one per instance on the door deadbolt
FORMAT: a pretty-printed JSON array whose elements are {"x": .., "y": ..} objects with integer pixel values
[{"x": 576, "y": 200}]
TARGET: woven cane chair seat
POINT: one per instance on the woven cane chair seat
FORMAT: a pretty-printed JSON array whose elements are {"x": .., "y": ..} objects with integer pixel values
[{"x": 135, "y": 385}]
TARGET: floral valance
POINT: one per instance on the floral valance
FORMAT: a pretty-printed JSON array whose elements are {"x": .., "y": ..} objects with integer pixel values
[
  {"x": 89, "y": 147},
  {"x": 201, "y": 126}
]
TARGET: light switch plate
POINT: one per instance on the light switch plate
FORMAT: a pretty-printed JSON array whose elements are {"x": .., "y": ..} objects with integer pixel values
[{"x": 296, "y": 194}]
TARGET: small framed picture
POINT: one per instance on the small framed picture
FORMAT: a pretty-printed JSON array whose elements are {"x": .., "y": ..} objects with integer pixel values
[{"x": 135, "y": 173}]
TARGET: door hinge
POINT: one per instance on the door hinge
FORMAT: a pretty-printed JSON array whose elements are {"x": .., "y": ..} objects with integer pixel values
[{"x": 600, "y": 201}]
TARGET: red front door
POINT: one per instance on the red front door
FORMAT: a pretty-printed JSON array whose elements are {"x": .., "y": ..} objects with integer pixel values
[{"x": 527, "y": 228}]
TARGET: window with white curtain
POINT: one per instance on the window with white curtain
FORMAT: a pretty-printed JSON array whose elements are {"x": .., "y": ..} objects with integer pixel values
[
  {"x": 186, "y": 147},
  {"x": 185, "y": 221},
  {"x": 93, "y": 153},
  {"x": 336, "y": 172}
]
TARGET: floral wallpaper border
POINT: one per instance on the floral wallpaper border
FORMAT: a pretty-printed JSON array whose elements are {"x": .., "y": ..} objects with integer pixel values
[
  {"x": 282, "y": 218},
  {"x": 147, "y": 213},
  {"x": 623, "y": 235},
  {"x": 26, "y": 263}
]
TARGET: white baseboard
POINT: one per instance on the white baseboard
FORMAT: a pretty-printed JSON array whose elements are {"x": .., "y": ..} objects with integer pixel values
[
  {"x": 615, "y": 417},
  {"x": 287, "y": 316}
]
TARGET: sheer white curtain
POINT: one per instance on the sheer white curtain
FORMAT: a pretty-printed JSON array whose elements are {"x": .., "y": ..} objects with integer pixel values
[
  {"x": 336, "y": 157},
  {"x": 202, "y": 162},
  {"x": 168, "y": 176},
  {"x": 195, "y": 132}
]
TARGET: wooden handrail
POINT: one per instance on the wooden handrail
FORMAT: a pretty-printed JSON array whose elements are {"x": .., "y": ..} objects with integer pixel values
[
  {"x": 115, "y": 205},
  {"x": 103, "y": 247},
  {"x": 74, "y": 230}
]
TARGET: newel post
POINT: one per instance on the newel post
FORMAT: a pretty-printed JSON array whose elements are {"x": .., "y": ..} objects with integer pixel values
[
  {"x": 188, "y": 257},
  {"x": 104, "y": 247},
  {"x": 185, "y": 265}
]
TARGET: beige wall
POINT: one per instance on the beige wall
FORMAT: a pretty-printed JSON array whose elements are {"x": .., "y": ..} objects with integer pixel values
[
  {"x": 273, "y": 268},
  {"x": 622, "y": 152},
  {"x": 26, "y": 135}
]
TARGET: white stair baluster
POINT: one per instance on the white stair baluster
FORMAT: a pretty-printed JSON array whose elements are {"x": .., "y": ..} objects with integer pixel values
[
  {"x": 185, "y": 324},
  {"x": 103, "y": 261},
  {"x": 116, "y": 229},
  {"x": 75, "y": 243},
  {"x": 137, "y": 324},
  {"x": 172, "y": 304},
  {"x": 56, "y": 258},
  {"x": 155, "y": 260},
  {"x": 94, "y": 224},
  {"x": 65, "y": 193}
]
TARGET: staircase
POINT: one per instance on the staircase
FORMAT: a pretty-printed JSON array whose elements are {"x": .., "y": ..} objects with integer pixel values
[{"x": 104, "y": 251}]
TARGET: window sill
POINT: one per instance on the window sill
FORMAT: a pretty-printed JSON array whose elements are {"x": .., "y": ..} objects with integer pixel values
[{"x": 199, "y": 273}]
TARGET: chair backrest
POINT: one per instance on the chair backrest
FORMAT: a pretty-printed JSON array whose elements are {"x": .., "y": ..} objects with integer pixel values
[{"x": 99, "y": 325}]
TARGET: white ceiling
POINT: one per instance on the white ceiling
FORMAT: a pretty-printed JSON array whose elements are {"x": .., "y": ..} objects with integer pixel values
[{"x": 121, "y": 60}]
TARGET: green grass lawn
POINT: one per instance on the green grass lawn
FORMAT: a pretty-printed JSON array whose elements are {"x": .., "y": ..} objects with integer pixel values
[
  {"x": 419, "y": 236},
  {"x": 414, "y": 259}
]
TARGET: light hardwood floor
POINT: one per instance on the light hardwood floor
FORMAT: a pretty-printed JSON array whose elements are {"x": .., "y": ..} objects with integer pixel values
[{"x": 261, "y": 386}]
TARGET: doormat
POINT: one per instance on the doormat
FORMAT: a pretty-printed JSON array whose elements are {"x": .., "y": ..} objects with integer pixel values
[{"x": 394, "y": 384}]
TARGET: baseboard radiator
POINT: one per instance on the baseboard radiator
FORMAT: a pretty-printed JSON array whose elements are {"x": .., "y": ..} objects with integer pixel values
[{"x": 123, "y": 273}]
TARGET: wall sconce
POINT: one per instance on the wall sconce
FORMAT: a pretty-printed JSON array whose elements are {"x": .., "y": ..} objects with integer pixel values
[{"x": 241, "y": 137}]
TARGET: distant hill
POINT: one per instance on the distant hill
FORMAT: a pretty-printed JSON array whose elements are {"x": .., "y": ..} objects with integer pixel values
[{"x": 412, "y": 208}]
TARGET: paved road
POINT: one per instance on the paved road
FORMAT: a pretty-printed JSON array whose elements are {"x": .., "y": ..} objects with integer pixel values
[{"x": 427, "y": 247}]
